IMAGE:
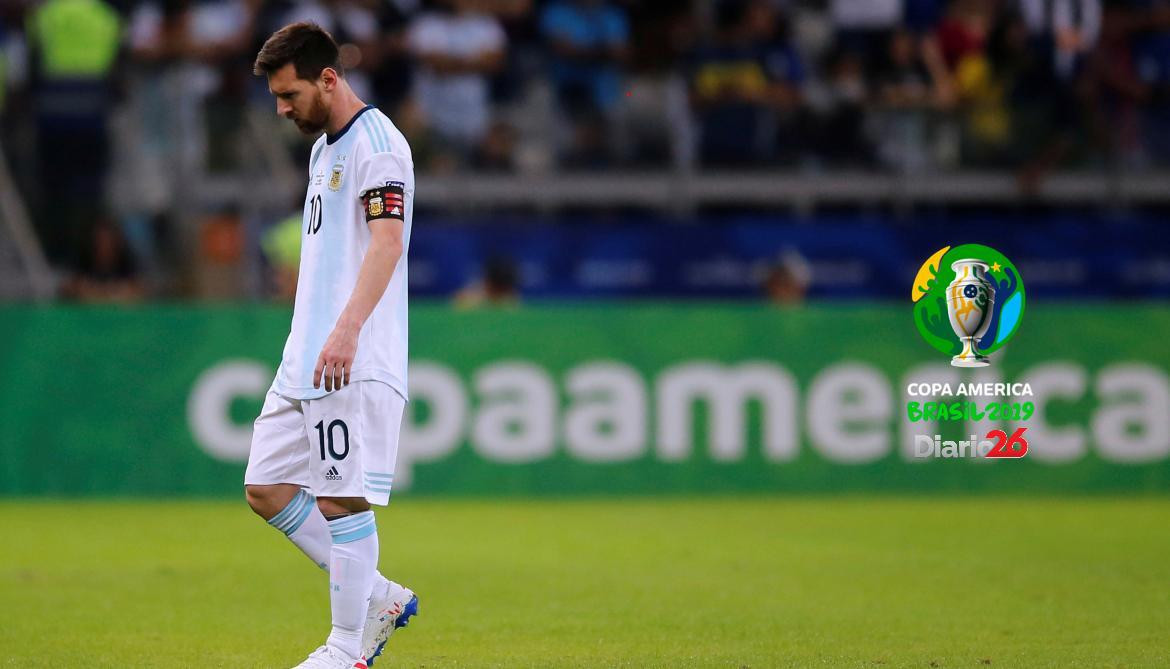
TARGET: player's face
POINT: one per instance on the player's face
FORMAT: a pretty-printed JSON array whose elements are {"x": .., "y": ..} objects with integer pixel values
[{"x": 298, "y": 100}]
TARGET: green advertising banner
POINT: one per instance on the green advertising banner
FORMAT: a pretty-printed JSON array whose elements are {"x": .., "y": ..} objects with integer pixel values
[{"x": 593, "y": 399}]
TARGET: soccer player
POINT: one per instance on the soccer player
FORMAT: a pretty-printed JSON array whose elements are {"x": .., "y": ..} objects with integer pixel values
[{"x": 324, "y": 445}]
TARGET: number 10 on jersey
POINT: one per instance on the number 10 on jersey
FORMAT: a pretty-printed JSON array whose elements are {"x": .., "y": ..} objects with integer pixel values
[{"x": 314, "y": 215}]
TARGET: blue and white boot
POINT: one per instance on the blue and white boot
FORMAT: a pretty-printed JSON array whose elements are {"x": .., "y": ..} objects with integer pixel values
[{"x": 390, "y": 609}]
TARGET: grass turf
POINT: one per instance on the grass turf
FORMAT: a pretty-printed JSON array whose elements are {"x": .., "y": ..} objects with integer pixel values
[{"x": 808, "y": 582}]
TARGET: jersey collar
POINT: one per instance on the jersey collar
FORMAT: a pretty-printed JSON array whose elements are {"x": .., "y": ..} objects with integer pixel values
[{"x": 330, "y": 139}]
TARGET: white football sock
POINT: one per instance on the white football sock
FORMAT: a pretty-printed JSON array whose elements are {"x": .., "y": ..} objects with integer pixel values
[
  {"x": 302, "y": 522},
  {"x": 304, "y": 525},
  {"x": 353, "y": 563}
]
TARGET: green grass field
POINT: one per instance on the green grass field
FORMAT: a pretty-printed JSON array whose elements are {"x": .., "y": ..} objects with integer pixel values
[{"x": 806, "y": 582}]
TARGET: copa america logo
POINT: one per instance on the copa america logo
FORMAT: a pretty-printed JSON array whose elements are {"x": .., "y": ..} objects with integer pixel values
[{"x": 982, "y": 296}]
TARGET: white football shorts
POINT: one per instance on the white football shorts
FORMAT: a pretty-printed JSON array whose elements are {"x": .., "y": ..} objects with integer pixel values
[{"x": 341, "y": 445}]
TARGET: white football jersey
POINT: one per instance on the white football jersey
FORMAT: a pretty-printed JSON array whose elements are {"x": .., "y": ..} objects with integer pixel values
[{"x": 365, "y": 171}]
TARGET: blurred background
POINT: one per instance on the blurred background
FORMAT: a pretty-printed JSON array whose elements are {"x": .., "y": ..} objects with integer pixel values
[
  {"x": 622, "y": 206},
  {"x": 145, "y": 161},
  {"x": 661, "y": 265}
]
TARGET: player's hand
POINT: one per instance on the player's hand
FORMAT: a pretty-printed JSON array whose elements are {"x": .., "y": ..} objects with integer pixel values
[{"x": 336, "y": 359}]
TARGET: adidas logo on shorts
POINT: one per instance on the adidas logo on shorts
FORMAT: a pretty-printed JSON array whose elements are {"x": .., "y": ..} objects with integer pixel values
[{"x": 332, "y": 474}]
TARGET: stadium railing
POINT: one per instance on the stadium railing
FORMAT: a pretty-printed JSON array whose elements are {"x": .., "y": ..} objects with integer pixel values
[{"x": 24, "y": 272}]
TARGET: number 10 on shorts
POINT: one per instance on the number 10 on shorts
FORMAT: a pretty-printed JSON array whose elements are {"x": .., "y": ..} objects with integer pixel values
[{"x": 328, "y": 440}]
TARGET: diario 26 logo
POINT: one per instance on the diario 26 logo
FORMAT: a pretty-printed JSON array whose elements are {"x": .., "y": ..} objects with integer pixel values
[{"x": 968, "y": 302}]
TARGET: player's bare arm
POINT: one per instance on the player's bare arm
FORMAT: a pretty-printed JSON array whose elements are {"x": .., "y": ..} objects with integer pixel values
[{"x": 336, "y": 359}]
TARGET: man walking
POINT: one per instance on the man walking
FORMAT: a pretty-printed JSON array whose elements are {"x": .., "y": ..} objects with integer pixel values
[{"x": 324, "y": 445}]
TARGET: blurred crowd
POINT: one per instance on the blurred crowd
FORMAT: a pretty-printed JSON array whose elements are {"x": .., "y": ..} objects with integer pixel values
[
  {"x": 124, "y": 99},
  {"x": 522, "y": 84}
]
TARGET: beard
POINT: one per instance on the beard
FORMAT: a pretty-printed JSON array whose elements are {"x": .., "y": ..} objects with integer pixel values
[{"x": 313, "y": 122}]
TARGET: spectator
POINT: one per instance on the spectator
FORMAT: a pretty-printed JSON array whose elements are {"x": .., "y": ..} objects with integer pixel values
[
  {"x": 963, "y": 32},
  {"x": 525, "y": 56},
  {"x": 786, "y": 69},
  {"x": 499, "y": 286},
  {"x": 907, "y": 96},
  {"x": 737, "y": 84},
  {"x": 588, "y": 40},
  {"x": 787, "y": 281},
  {"x": 16, "y": 137},
  {"x": 457, "y": 48},
  {"x": 1062, "y": 33},
  {"x": 1118, "y": 88},
  {"x": 497, "y": 151},
  {"x": 904, "y": 82},
  {"x": 1065, "y": 30},
  {"x": 863, "y": 26},
  {"x": 281, "y": 244},
  {"x": 1151, "y": 53},
  {"x": 391, "y": 71},
  {"x": 985, "y": 81},
  {"x": 75, "y": 45},
  {"x": 960, "y": 34},
  {"x": 923, "y": 19},
  {"x": 839, "y": 132},
  {"x": 106, "y": 271}
]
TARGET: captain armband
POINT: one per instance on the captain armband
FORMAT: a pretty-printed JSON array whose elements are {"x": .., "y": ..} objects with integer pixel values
[{"x": 385, "y": 202}]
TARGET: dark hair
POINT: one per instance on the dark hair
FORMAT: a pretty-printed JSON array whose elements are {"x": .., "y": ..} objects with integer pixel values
[{"x": 306, "y": 45}]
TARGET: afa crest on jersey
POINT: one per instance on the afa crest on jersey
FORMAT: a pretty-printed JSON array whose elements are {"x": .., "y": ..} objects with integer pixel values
[{"x": 335, "y": 178}]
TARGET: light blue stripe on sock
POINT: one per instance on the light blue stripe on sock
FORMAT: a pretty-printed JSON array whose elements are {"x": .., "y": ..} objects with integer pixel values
[
  {"x": 352, "y": 518},
  {"x": 356, "y": 535},
  {"x": 285, "y": 513},
  {"x": 297, "y": 515},
  {"x": 345, "y": 530},
  {"x": 289, "y": 511},
  {"x": 362, "y": 520},
  {"x": 291, "y": 518},
  {"x": 300, "y": 519},
  {"x": 350, "y": 522}
]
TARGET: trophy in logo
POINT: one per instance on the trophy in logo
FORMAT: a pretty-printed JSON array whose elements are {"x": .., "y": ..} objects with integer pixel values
[{"x": 970, "y": 303}]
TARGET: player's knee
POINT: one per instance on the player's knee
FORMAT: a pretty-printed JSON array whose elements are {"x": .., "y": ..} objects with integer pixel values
[
  {"x": 340, "y": 506},
  {"x": 259, "y": 499}
]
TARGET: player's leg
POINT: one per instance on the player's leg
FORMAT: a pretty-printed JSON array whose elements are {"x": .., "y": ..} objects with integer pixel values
[
  {"x": 278, "y": 470},
  {"x": 391, "y": 605},
  {"x": 336, "y": 472},
  {"x": 353, "y": 566},
  {"x": 352, "y": 429},
  {"x": 293, "y": 510}
]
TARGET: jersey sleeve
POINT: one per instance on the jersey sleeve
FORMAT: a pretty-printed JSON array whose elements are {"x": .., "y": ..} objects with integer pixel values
[{"x": 384, "y": 184}]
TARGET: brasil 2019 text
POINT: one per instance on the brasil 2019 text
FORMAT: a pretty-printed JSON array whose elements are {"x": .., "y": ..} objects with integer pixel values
[{"x": 970, "y": 411}]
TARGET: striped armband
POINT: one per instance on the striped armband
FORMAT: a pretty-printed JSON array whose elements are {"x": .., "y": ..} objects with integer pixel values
[{"x": 385, "y": 202}]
